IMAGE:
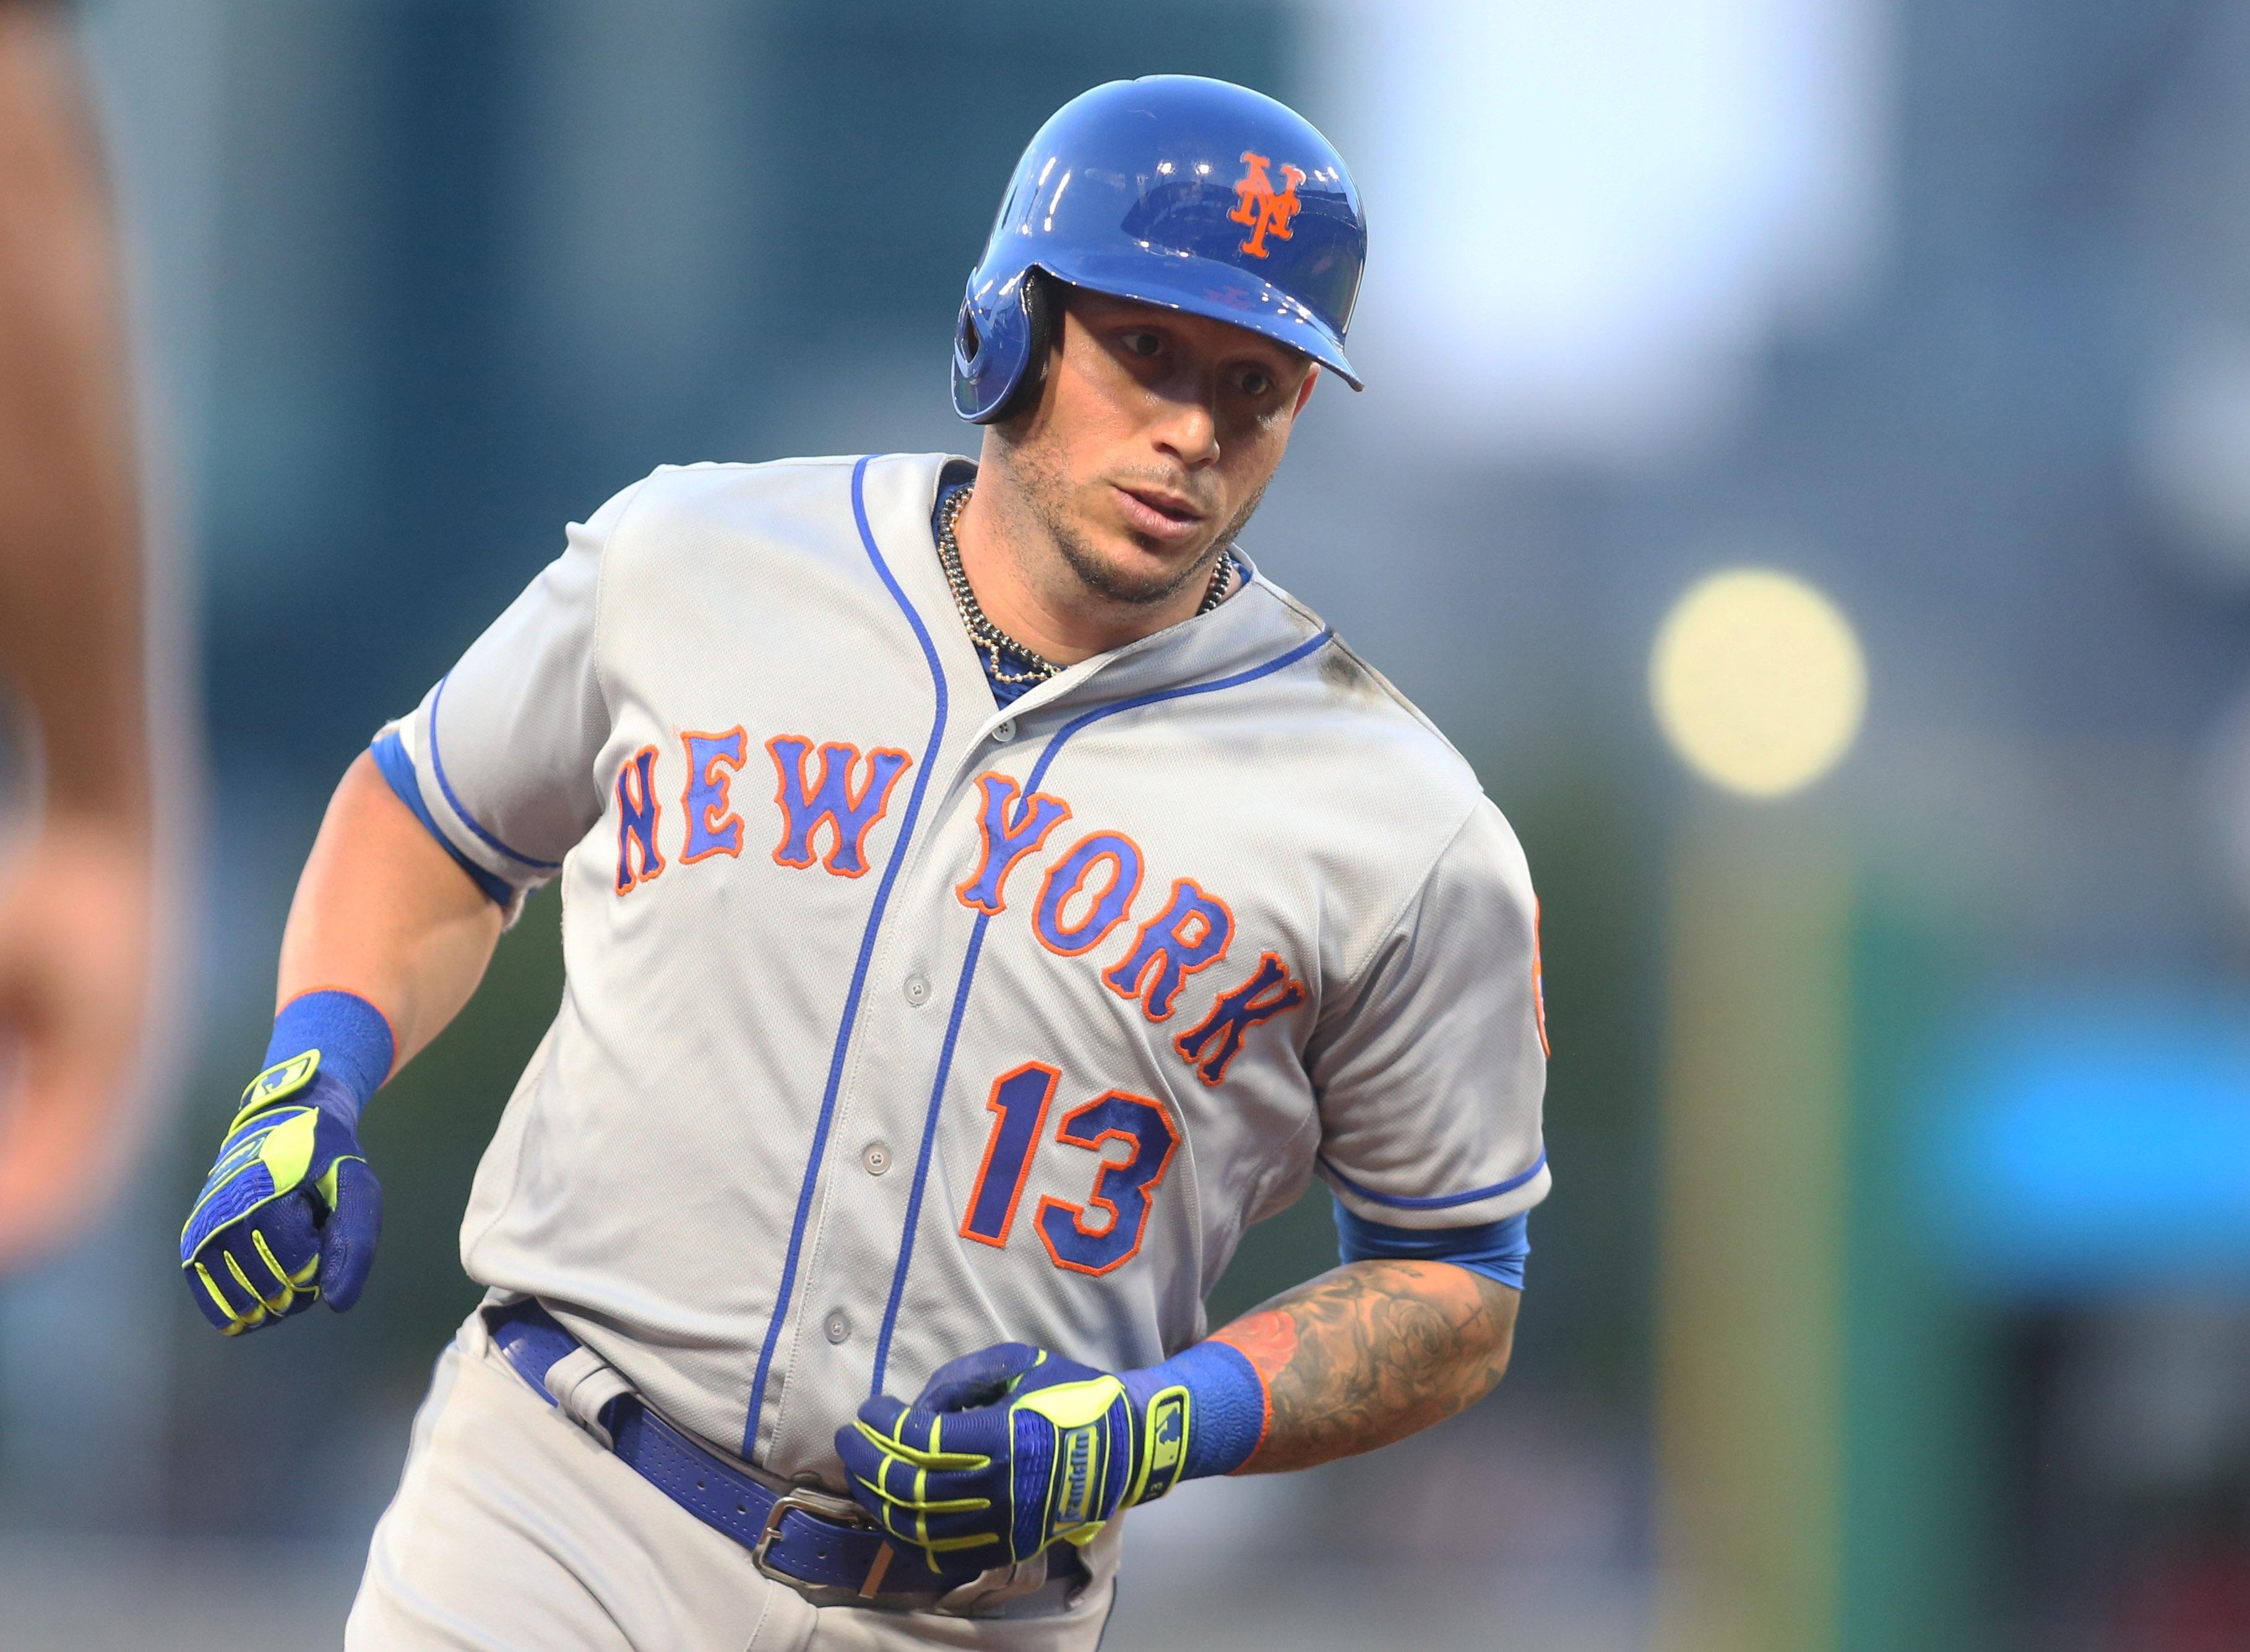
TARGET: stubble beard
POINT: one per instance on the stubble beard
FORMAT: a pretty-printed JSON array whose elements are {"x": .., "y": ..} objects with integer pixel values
[{"x": 1045, "y": 492}]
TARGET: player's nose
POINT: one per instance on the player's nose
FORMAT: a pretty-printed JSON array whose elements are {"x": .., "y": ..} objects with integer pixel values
[{"x": 1186, "y": 429}]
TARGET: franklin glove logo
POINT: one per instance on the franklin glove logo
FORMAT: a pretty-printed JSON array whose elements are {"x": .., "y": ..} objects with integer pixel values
[
  {"x": 1266, "y": 212},
  {"x": 1081, "y": 1450}
]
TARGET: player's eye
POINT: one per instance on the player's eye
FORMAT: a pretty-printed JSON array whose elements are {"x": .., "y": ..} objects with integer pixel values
[
  {"x": 1254, "y": 383},
  {"x": 1142, "y": 343}
]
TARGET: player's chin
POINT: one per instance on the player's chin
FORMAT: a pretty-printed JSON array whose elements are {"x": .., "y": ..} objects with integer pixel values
[
  {"x": 1130, "y": 569},
  {"x": 1138, "y": 566}
]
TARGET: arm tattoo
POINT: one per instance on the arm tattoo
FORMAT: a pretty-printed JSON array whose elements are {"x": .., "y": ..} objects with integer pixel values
[{"x": 1370, "y": 1353}]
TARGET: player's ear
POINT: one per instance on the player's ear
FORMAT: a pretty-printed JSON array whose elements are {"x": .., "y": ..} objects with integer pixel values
[{"x": 1305, "y": 391}]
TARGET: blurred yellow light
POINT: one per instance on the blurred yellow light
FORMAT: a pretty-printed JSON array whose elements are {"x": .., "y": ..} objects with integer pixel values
[{"x": 1757, "y": 681}]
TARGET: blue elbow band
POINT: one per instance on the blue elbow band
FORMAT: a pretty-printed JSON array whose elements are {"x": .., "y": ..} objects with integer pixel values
[
  {"x": 1226, "y": 1404},
  {"x": 398, "y": 771},
  {"x": 1497, "y": 1249},
  {"x": 352, "y": 1035}
]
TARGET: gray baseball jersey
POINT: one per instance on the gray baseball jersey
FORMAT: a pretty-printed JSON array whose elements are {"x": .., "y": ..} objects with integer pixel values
[{"x": 898, "y": 1024}]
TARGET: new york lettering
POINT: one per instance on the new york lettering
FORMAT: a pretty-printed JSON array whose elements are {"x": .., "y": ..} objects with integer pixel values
[
  {"x": 1087, "y": 895},
  {"x": 829, "y": 796}
]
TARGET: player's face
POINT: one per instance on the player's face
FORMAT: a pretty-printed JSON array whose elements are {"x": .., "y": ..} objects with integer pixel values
[{"x": 1153, "y": 440}]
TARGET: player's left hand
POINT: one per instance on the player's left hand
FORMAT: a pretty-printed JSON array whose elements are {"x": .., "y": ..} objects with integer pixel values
[
  {"x": 291, "y": 1211},
  {"x": 1008, "y": 1450}
]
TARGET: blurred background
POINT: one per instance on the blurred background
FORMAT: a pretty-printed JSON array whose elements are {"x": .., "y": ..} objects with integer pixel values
[{"x": 1805, "y": 466}]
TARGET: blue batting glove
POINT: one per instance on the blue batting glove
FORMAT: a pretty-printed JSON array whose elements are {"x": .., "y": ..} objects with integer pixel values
[
  {"x": 1012, "y": 1449},
  {"x": 291, "y": 1210}
]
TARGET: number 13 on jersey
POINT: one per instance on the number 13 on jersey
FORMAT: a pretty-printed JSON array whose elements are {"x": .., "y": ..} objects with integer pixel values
[{"x": 1105, "y": 1231}]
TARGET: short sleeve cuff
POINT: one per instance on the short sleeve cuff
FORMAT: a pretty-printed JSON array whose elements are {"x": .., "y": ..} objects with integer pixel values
[
  {"x": 398, "y": 770},
  {"x": 1435, "y": 1208}
]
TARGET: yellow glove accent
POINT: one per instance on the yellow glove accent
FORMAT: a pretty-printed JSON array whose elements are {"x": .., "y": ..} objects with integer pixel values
[
  {"x": 277, "y": 1083},
  {"x": 1165, "y": 1431},
  {"x": 234, "y": 1328},
  {"x": 1073, "y": 1404},
  {"x": 1077, "y": 1409},
  {"x": 924, "y": 1458},
  {"x": 286, "y": 1153}
]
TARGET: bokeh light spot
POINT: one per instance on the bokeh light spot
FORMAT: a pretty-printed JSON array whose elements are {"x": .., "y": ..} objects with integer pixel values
[{"x": 1759, "y": 681}]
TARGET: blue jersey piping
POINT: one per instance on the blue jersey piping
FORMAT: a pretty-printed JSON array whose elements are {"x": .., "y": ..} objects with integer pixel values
[
  {"x": 1440, "y": 1202},
  {"x": 859, "y": 970},
  {"x": 398, "y": 771},
  {"x": 1046, "y": 758},
  {"x": 446, "y": 786},
  {"x": 928, "y": 1140}
]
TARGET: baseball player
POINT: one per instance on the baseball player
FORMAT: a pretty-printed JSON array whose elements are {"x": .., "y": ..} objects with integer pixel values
[{"x": 985, "y": 894}]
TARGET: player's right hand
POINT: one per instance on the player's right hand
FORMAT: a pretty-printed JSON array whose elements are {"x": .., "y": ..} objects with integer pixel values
[{"x": 291, "y": 1210}]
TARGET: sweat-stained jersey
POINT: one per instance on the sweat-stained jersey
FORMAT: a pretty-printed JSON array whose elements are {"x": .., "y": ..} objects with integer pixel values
[{"x": 898, "y": 1024}]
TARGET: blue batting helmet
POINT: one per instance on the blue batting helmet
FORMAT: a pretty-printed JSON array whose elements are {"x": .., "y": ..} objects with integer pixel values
[{"x": 1191, "y": 194}]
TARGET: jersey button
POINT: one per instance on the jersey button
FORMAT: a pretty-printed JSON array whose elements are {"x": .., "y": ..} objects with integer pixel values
[
  {"x": 876, "y": 1157},
  {"x": 837, "y": 1327},
  {"x": 917, "y": 990},
  {"x": 1004, "y": 729}
]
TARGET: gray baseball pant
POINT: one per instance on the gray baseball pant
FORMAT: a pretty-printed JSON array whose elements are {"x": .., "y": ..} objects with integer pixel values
[{"x": 514, "y": 1531}]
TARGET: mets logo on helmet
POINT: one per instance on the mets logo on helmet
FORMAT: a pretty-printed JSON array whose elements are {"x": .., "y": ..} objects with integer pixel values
[{"x": 1266, "y": 212}]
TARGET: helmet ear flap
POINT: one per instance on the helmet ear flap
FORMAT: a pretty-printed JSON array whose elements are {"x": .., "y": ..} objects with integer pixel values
[
  {"x": 1037, "y": 296},
  {"x": 1040, "y": 305},
  {"x": 1000, "y": 349},
  {"x": 969, "y": 344}
]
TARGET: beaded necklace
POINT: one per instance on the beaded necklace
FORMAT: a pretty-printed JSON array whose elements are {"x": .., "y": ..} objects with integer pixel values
[{"x": 991, "y": 639}]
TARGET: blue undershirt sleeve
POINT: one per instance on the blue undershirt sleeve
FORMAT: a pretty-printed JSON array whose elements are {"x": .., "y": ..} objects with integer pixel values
[
  {"x": 398, "y": 771},
  {"x": 1496, "y": 1249}
]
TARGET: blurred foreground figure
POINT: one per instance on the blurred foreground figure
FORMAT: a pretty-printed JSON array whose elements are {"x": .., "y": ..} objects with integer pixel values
[{"x": 75, "y": 883}]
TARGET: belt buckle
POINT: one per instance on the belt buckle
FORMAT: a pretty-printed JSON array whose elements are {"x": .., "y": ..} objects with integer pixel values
[{"x": 823, "y": 1510}]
